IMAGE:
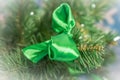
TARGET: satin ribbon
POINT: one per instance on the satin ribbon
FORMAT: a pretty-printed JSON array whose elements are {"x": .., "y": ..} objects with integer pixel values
[{"x": 60, "y": 47}]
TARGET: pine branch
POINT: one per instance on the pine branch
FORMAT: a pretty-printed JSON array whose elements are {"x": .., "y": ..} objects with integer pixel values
[{"x": 25, "y": 29}]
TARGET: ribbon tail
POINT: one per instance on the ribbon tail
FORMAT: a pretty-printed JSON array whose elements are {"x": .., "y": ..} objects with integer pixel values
[
  {"x": 36, "y": 52},
  {"x": 75, "y": 71}
]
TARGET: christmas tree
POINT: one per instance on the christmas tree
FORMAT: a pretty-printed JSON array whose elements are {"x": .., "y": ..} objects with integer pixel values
[{"x": 30, "y": 26}]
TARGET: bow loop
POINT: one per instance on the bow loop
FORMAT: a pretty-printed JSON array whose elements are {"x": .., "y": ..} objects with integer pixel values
[
  {"x": 62, "y": 48},
  {"x": 36, "y": 52},
  {"x": 63, "y": 20}
]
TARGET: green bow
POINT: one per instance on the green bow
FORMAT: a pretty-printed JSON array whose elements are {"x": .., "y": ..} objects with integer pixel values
[{"x": 60, "y": 47}]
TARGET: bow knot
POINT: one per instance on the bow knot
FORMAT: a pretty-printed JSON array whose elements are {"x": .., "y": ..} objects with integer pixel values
[{"x": 60, "y": 47}]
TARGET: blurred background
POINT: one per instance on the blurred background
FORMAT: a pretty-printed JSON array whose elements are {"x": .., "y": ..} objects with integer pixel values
[{"x": 110, "y": 22}]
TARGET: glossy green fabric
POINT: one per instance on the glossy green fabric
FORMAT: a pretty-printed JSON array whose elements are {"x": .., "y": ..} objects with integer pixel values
[
  {"x": 62, "y": 20},
  {"x": 60, "y": 47}
]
